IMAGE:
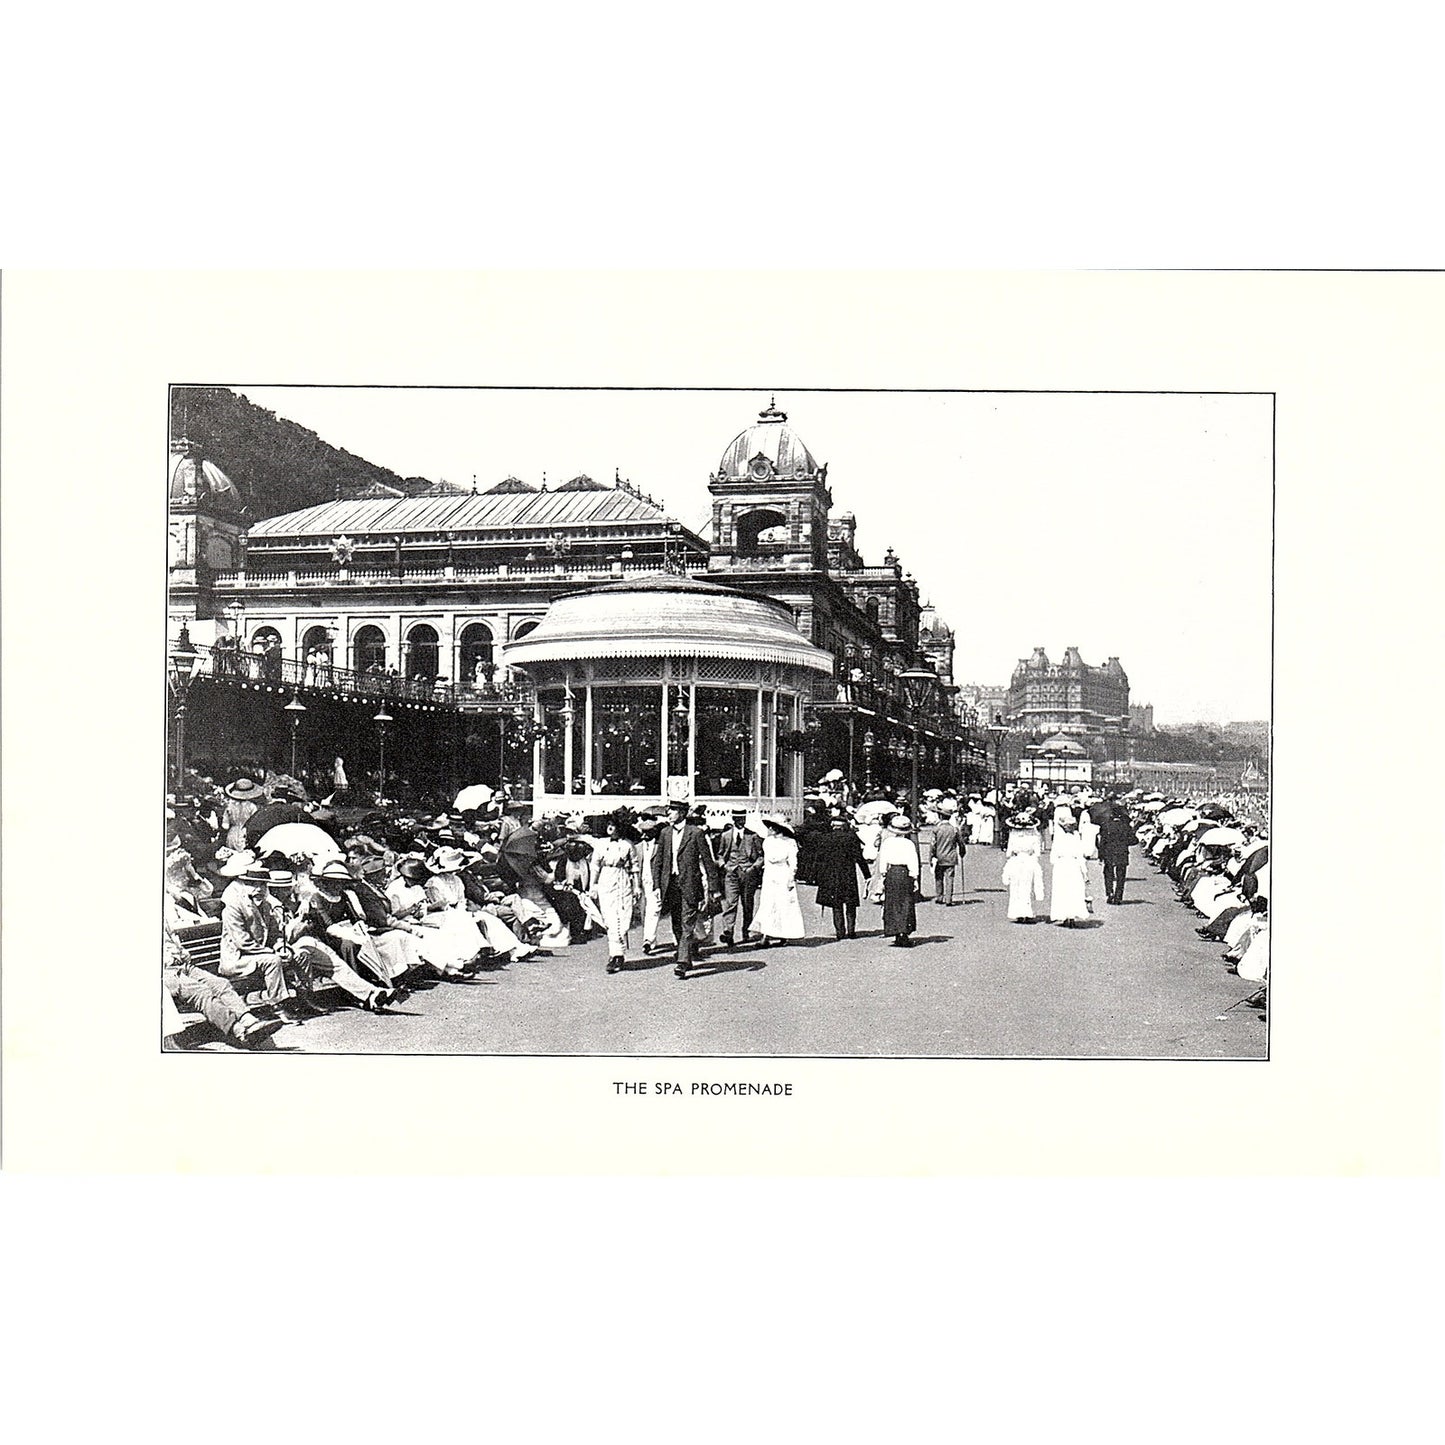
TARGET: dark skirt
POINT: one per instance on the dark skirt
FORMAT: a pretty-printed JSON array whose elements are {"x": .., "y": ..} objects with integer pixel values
[{"x": 899, "y": 918}]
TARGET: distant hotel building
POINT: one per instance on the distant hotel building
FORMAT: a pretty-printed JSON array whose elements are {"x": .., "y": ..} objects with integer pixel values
[{"x": 1069, "y": 696}]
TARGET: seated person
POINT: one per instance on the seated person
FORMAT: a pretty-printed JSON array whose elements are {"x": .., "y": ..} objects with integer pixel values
[
  {"x": 252, "y": 942},
  {"x": 317, "y": 957},
  {"x": 354, "y": 919},
  {"x": 192, "y": 988}
]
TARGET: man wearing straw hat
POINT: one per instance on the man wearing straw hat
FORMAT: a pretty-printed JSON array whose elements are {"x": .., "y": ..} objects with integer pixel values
[{"x": 251, "y": 936}]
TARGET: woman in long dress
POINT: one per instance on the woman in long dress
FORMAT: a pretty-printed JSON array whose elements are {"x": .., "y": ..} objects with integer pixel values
[
  {"x": 1023, "y": 875},
  {"x": 615, "y": 887},
  {"x": 779, "y": 914},
  {"x": 896, "y": 880},
  {"x": 1068, "y": 903},
  {"x": 447, "y": 898},
  {"x": 446, "y": 941}
]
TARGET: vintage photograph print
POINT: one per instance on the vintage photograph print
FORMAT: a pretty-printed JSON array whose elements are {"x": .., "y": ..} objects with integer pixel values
[{"x": 727, "y": 722}]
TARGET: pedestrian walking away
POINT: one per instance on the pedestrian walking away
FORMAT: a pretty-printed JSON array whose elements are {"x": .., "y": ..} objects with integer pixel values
[
  {"x": 839, "y": 861},
  {"x": 896, "y": 884},
  {"x": 945, "y": 852}
]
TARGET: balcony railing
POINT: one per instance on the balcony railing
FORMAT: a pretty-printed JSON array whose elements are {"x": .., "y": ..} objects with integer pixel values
[
  {"x": 841, "y": 694},
  {"x": 371, "y": 575},
  {"x": 251, "y": 669}
]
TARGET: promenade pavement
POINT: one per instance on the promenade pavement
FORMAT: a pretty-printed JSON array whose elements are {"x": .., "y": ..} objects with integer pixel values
[{"x": 1134, "y": 983}]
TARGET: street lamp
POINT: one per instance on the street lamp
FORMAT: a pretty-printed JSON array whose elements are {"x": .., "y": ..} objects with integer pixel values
[
  {"x": 381, "y": 720},
  {"x": 183, "y": 664},
  {"x": 918, "y": 684},
  {"x": 295, "y": 708},
  {"x": 869, "y": 742}
]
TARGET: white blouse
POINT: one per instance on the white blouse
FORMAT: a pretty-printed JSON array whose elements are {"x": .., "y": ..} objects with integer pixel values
[{"x": 896, "y": 849}]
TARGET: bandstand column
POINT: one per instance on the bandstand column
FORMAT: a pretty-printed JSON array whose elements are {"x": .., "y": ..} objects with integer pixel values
[{"x": 587, "y": 759}]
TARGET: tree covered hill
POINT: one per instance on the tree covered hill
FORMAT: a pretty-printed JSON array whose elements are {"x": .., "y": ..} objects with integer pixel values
[{"x": 278, "y": 465}]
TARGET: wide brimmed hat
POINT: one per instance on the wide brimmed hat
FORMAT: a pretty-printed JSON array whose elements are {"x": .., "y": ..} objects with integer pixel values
[
  {"x": 781, "y": 823},
  {"x": 1021, "y": 821},
  {"x": 333, "y": 870},
  {"x": 447, "y": 860},
  {"x": 282, "y": 878},
  {"x": 236, "y": 864},
  {"x": 646, "y": 823},
  {"x": 947, "y": 805},
  {"x": 245, "y": 791},
  {"x": 369, "y": 867},
  {"x": 414, "y": 870},
  {"x": 833, "y": 775},
  {"x": 901, "y": 822},
  {"x": 716, "y": 822},
  {"x": 256, "y": 874}
]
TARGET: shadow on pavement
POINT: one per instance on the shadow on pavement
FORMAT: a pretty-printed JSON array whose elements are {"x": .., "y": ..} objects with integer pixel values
[{"x": 740, "y": 965}]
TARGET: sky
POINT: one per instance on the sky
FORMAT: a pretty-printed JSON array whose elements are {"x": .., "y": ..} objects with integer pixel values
[{"x": 1136, "y": 526}]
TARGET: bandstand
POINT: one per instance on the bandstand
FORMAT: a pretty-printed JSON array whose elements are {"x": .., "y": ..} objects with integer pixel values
[{"x": 668, "y": 687}]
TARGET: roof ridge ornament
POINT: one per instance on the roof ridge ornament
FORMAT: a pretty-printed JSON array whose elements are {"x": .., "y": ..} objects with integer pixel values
[{"x": 771, "y": 412}]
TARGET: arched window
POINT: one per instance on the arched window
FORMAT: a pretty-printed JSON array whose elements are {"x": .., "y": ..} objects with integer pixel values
[
  {"x": 422, "y": 651},
  {"x": 265, "y": 636},
  {"x": 368, "y": 649},
  {"x": 755, "y": 530},
  {"x": 871, "y": 608},
  {"x": 477, "y": 660},
  {"x": 316, "y": 637},
  {"x": 523, "y": 628}
]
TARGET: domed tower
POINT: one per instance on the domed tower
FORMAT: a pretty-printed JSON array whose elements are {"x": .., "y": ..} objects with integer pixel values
[
  {"x": 207, "y": 524},
  {"x": 770, "y": 500}
]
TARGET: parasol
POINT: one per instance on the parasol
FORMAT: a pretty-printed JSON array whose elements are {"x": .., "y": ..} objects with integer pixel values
[
  {"x": 874, "y": 812},
  {"x": 1220, "y": 838},
  {"x": 304, "y": 839},
  {"x": 1176, "y": 817},
  {"x": 1153, "y": 807},
  {"x": 474, "y": 798}
]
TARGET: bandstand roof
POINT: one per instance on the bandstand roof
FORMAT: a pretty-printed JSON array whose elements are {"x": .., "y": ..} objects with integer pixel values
[
  {"x": 667, "y": 616},
  {"x": 463, "y": 512}
]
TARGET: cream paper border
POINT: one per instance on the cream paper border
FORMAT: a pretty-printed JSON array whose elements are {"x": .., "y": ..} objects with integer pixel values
[{"x": 1353, "y": 1083}]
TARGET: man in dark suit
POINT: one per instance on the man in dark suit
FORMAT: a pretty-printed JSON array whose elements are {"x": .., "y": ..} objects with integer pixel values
[
  {"x": 686, "y": 876},
  {"x": 739, "y": 854},
  {"x": 1115, "y": 839}
]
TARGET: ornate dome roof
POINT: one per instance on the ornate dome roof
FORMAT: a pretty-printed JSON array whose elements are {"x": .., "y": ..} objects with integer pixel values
[
  {"x": 193, "y": 479},
  {"x": 769, "y": 448},
  {"x": 1062, "y": 745},
  {"x": 667, "y": 616}
]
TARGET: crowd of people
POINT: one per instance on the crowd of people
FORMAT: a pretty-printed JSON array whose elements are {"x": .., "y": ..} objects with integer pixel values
[{"x": 324, "y": 902}]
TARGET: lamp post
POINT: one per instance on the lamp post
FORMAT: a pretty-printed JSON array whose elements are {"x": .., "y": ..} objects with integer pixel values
[
  {"x": 184, "y": 662},
  {"x": 381, "y": 720},
  {"x": 869, "y": 742},
  {"x": 918, "y": 684},
  {"x": 294, "y": 709}
]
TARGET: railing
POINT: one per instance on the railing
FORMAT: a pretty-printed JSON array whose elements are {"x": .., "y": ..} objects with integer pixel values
[
  {"x": 373, "y": 575},
  {"x": 867, "y": 695},
  {"x": 252, "y": 669}
]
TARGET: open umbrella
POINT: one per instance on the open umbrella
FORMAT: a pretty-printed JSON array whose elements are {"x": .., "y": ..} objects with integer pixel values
[
  {"x": 1153, "y": 805},
  {"x": 305, "y": 839},
  {"x": 1220, "y": 838},
  {"x": 874, "y": 812},
  {"x": 475, "y": 797},
  {"x": 1176, "y": 817}
]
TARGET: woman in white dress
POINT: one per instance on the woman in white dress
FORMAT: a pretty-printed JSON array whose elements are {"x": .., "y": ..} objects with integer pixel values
[
  {"x": 779, "y": 914},
  {"x": 1067, "y": 901},
  {"x": 615, "y": 886},
  {"x": 446, "y": 942},
  {"x": 243, "y": 797},
  {"x": 446, "y": 896},
  {"x": 1022, "y": 874}
]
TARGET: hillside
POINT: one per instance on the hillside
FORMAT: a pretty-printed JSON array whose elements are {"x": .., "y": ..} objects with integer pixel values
[{"x": 278, "y": 465}]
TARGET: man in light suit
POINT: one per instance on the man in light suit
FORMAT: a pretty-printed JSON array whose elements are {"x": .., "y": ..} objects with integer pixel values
[
  {"x": 686, "y": 878},
  {"x": 739, "y": 854},
  {"x": 251, "y": 937}
]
